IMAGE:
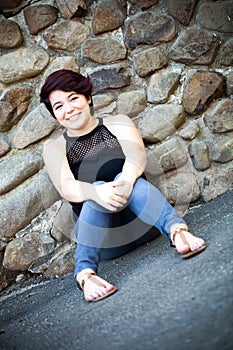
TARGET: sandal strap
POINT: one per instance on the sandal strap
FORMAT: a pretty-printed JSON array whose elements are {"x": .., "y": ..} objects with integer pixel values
[
  {"x": 182, "y": 237},
  {"x": 85, "y": 277},
  {"x": 178, "y": 229}
]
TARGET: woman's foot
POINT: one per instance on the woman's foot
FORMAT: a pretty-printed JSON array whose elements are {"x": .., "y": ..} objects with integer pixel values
[
  {"x": 186, "y": 243},
  {"x": 94, "y": 287}
]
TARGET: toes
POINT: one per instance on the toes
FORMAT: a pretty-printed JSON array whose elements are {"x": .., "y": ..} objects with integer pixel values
[
  {"x": 191, "y": 243},
  {"x": 197, "y": 243},
  {"x": 184, "y": 249},
  {"x": 95, "y": 293}
]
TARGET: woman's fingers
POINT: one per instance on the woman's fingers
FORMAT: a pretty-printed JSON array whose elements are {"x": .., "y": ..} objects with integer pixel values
[
  {"x": 117, "y": 202},
  {"x": 109, "y": 197},
  {"x": 120, "y": 199}
]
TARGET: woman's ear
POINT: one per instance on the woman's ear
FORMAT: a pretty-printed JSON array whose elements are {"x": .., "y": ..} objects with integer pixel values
[{"x": 90, "y": 101}]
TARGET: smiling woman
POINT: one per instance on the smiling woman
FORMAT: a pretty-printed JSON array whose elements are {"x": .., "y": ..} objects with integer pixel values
[
  {"x": 72, "y": 111},
  {"x": 98, "y": 166}
]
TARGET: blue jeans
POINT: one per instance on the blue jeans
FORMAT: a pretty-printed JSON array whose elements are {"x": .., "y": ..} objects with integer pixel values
[{"x": 97, "y": 239}]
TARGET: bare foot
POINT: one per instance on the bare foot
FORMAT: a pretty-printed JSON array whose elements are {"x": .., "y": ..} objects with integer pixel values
[
  {"x": 186, "y": 243},
  {"x": 94, "y": 287}
]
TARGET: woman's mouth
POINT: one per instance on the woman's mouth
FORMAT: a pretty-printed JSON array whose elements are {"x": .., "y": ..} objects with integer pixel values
[{"x": 73, "y": 117}]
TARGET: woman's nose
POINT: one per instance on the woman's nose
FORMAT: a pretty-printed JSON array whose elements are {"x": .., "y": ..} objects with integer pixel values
[{"x": 69, "y": 107}]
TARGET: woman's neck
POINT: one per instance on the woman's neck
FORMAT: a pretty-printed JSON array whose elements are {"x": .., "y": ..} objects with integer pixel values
[{"x": 91, "y": 126}]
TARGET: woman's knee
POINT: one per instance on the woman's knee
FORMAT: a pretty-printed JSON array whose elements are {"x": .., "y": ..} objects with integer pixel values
[
  {"x": 141, "y": 186},
  {"x": 89, "y": 206}
]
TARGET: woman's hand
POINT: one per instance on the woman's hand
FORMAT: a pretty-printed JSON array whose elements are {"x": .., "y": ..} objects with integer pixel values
[
  {"x": 124, "y": 186},
  {"x": 111, "y": 195}
]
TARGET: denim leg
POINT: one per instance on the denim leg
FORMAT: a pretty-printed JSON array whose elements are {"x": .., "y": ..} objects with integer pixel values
[
  {"x": 149, "y": 204},
  {"x": 86, "y": 257},
  {"x": 92, "y": 226}
]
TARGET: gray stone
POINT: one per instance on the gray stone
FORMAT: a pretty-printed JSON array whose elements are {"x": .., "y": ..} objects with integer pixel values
[
  {"x": 131, "y": 103},
  {"x": 3, "y": 283},
  {"x": 108, "y": 15},
  {"x": 6, "y": 111},
  {"x": 160, "y": 121},
  {"x": 39, "y": 17},
  {"x": 60, "y": 262},
  {"x": 225, "y": 55},
  {"x": 106, "y": 111},
  {"x": 20, "y": 278},
  {"x": 229, "y": 84},
  {"x": 102, "y": 100},
  {"x": 6, "y": 276},
  {"x": 72, "y": 8},
  {"x": 182, "y": 10},
  {"x": 199, "y": 153},
  {"x": 201, "y": 88},
  {"x": 63, "y": 264},
  {"x": 148, "y": 61},
  {"x": 10, "y": 34},
  {"x": 20, "y": 252},
  {"x": 103, "y": 50},
  {"x": 22, "y": 64},
  {"x": 36, "y": 125},
  {"x": 148, "y": 28},
  {"x": 216, "y": 16},
  {"x": 190, "y": 130},
  {"x": 30, "y": 198},
  {"x": 109, "y": 78},
  {"x": 43, "y": 222},
  {"x": 217, "y": 180},
  {"x": 169, "y": 155},
  {"x": 13, "y": 104},
  {"x": 4, "y": 145},
  {"x": 18, "y": 166},
  {"x": 194, "y": 45},
  {"x": 67, "y": 35},
  {"x": 2, "y": 246},
  {"x": 219, "y": 116},
  {"x": 63, "y": 224},
  {"x": 161, "y": 85},
  {"x": 180, "y": 187},
  {"x": 220, "y": 145},
  {"x": 10, "y": 4},
  {"x": 11, "y": 7},
  {"x": 143, "y": 4}
]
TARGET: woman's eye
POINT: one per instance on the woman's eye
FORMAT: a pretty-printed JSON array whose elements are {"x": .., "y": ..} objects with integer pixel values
[
  {"x": 74, "y": 98},
  {"x": 58, "y": 107}
]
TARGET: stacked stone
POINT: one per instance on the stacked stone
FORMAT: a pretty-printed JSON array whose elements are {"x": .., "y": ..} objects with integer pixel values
[{"x": 167, "y": 64}]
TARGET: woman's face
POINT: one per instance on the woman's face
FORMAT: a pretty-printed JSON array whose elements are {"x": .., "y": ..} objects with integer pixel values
[{"x": 70, "y": 109}]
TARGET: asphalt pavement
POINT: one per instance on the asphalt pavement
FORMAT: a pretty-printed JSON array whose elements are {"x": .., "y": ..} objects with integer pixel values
[{"x": 163, "y": 302}]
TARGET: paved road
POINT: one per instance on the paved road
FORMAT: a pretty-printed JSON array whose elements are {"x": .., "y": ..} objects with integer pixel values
[{"x": 163, "y": 302}]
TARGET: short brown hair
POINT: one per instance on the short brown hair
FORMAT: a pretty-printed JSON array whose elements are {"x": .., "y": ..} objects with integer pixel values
[{"x": 65, "y": 80}]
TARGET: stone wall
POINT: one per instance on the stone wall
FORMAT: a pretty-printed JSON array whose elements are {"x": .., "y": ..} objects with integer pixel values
[{"x": 167, "y": 64}]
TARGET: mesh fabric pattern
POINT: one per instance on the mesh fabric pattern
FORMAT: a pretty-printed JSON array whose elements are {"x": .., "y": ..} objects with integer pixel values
[{"x": 90, "y": 145}]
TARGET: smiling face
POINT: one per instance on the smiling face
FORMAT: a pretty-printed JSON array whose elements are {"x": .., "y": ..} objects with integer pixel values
[{"x": 71, "y": 110}]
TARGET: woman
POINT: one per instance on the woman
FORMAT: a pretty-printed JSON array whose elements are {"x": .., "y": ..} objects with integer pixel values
[{"x": 98, "y": 166}]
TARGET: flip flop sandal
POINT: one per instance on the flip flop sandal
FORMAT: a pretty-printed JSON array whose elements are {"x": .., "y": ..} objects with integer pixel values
[
  {"x": 94, "y": 279},
  {"x": 191, "y": 252}
]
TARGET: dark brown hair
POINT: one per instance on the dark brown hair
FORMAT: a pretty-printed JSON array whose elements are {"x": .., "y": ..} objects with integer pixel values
[{"x": 65, "y": 80}]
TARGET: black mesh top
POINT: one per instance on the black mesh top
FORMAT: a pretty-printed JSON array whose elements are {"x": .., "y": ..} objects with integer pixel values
[{"x": 94, "y": 157}]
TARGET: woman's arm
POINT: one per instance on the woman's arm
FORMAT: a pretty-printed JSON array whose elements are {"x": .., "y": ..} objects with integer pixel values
[
  {"x": 71, "y": 189},
  {"x": 134, "y": 150},
  {"x": 60, "y": 174},
  {"x": 132, "y": 145}
]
